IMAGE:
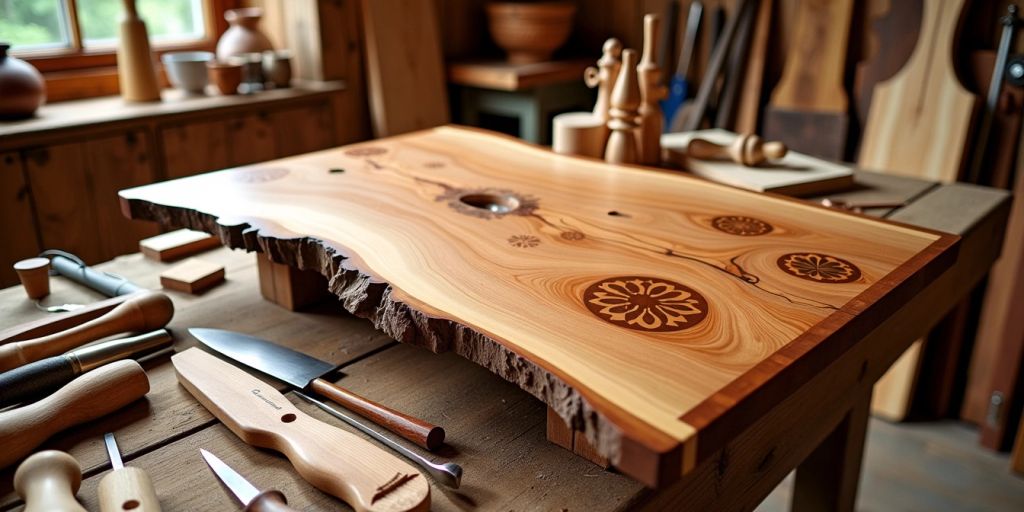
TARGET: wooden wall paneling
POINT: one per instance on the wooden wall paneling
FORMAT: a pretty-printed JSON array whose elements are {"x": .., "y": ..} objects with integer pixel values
[
  {"x": 303, "y": 129},
  {"x": 114, "y": 163},
  {"x": 251, "y": 138},
  {"x": 1017, "y": 457},
  {"x": 194, "y": 147},
  {"x": 749, "y": 109},
  {"x": 65, "y": 215},
  {"x": 405, "y": 68},
  {"x": 20, "y": 239}
]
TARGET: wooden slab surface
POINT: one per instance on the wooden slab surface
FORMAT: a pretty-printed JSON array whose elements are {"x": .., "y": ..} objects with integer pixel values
[{"x": 643, "y": 306}]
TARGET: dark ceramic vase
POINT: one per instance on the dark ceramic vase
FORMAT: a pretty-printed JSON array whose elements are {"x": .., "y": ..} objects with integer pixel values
[{"x": 22, "y": 89}]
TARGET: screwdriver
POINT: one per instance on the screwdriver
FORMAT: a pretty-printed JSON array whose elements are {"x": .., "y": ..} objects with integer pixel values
[
  {"x": 48, "y": 481},
  {"x": 125, "y": 488}
]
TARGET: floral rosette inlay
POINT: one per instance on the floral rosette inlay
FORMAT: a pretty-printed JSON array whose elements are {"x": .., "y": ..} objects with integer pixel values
[
  {"x": 820, "y": 268},
  {"x": 646, "y": 303},
  {"x": 523, "y": 241},
  {"x": 741, "y": 226}
]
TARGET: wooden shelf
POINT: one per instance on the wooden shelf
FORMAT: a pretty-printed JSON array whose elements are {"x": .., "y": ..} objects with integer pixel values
[
  {"x": 504, "y": 76},
  {"x": 112, "y": 110}
]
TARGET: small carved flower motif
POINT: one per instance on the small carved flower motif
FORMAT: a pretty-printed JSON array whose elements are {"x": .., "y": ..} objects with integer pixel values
[
  {"x": 523, "y": 241},
  {"x": 820, "y": 268},
  {"x": 366, "y": 151},
  {"x": 646, "y": 303},
  {"x": 741, "y": 226},
  {"x": 572, "y": 235}
]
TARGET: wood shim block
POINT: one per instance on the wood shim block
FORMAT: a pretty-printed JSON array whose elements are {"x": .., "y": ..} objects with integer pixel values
[
  {"x": 192, "y": 276},
  {"x": 289, "y": 287},
  {"x": 177, "y": 244}
]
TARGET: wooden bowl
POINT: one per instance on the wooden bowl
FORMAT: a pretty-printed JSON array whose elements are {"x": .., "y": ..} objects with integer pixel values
[{"x": 530, "y": 32}]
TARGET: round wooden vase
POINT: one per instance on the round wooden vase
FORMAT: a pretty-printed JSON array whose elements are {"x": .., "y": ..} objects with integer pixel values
[
  {"x": 22, "y": 89},
  {"x": 243, "y": 36},
  {"x": 136, "y": 70},
  {"x": 530, "y": 32}
]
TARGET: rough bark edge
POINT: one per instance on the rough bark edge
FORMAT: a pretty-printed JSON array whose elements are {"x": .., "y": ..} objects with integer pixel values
[{"x": 365, "y": 296}]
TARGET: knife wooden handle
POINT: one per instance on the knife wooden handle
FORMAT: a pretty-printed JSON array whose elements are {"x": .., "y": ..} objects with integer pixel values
[
  {"x": 86, "y": 398},
  {"x": 143, "y": 312},
  {"x": 48, "y": 481},
  {"x": 269, "y": 501},
  {"x": 332, "y": 460},
  {"x": 425, "y": 434},
  {"x": 128, "y": 488}
]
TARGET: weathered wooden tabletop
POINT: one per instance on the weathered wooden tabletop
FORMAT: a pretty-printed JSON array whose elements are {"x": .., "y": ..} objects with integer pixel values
[{"x": 496, "y": 431}]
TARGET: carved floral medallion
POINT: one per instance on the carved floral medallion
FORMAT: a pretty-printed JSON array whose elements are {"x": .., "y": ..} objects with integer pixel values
[
  {"x": 646, "y": 303},
  {"x": 820, "y": 268},
  {"x": 523, "y": 241},
  {"x": 741, "y": 226}
]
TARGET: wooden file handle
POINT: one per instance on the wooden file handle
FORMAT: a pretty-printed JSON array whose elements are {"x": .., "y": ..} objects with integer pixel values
[
  {"x": 48, "y": 481},
  {"x": 86, "y": 398},
  {"x": 749, "y": 150},
  {"x": 128, "y": 488},
  {"x": 269, "y": 501},
  {"x": 143, "y": 312},
  {"x": 425, "y": 434},
  {"x": 331, "y": 459}
]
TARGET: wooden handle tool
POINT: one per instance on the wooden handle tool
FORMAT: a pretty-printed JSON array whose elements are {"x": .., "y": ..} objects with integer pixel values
[
  {"x": 332, "y": 460},
  {"x": 143, "y": 312},
  {"x": 48, "y": 481},
  {"x": 125, "y": 488},
  {"x": 255, "y": 501},
  {"x": 748, "y": 150},
  {"x": 86, "y": 398}
]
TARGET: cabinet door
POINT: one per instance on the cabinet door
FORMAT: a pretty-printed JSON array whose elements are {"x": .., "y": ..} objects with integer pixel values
[
  {"x": 116, "y": 163},
  {"x": 19, "y": 226},
  {"x": 61, "y": 193},
  {"x": 250, "y": 139},
  {"x": 303, "y": 129},
  {"x": 193, "y": 148}
]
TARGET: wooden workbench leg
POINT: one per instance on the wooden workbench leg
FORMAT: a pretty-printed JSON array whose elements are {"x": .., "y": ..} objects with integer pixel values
[{"x": 827, "y": 480}]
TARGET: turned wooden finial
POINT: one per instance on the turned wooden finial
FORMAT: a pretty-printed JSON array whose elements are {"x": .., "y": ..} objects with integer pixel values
[
  {"x": 34, "y": 274},
  {"x": 625, "y": 100},
  {"x": 749, "y": 150},
  {"x": 651, "y": 119},
  {"x": 604, "y": 76}
]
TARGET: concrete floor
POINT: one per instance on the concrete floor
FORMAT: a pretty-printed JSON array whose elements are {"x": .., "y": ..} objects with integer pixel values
[{"x": 927, "y": 467}]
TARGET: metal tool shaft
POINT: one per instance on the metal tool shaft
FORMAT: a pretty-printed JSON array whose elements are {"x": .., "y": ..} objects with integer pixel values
[
  {"x": 112, "y": 451},
  {"x": 449, "y": 473}
]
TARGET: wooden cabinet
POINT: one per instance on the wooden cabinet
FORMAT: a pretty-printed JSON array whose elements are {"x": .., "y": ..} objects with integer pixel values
[
  {"x": 19, "y": 224},
  {"x": 192, "y": 148}
]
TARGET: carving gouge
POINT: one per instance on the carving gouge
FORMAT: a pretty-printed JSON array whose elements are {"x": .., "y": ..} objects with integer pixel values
[
  {"x": 41, "y": 377},
  {"x": 331, "y": 459},
  {"x": 48, "y": 481},
  {"x": 304, "y": 372},
  {"x": 143, "y": 312},
  {"x": 125, "y": 488},
  {"x": 248, "y": 494},
  {"x": 95, "y": 394}
]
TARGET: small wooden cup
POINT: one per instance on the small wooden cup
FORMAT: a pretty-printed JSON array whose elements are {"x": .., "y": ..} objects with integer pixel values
[
  {"x": 34, "y": 274},
  {"x": 227, "y": 76}
]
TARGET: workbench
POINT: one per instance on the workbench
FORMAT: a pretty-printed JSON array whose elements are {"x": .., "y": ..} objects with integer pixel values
[{"x": 495, "y": 430}]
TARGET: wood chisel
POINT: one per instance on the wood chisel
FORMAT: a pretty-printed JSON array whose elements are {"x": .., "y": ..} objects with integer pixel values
[
  {"x": 125, "y": 488},
  {"x": 144, "y": 312},
  {"x": 251, "y": 497},
  {"x": 304, "y": 372},
  {"x": 48, "y": 481},
  {"x": 37, "y": 379},
  {"x": 86, "y": 398},
  {"x": 332, "y": 460}
]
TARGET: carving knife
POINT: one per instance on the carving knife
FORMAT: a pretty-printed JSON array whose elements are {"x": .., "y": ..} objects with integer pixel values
[
  {"x": 332, "y": 460},
  {"x": 304, "y": 372},
  {"x": 248, "y": 494}
]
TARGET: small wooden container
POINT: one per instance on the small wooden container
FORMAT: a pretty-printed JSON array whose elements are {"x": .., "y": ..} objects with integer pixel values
[
  {"x": 579, "y": 133},
  {"x": 227, "y": 76},
  {"x": 34, "y": 274}
]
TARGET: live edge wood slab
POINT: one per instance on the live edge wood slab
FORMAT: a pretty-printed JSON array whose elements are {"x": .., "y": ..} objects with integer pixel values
[{"x": 656, "y": 313}]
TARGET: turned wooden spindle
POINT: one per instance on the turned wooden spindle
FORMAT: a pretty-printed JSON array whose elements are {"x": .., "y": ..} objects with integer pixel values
[
  {"x": 651, "y": 119},
  {"x": 34, "y": 274},
  {"x": 604, "y": 76},
  {"x": 48, "y": 481},
  {"x": 748, "y": 150},
  {"x": 135, "y": 66},
  {"x": 625, "y": 100}
]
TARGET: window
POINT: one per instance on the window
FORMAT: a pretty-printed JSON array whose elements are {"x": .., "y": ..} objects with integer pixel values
[{"x": 49, "y": 27}]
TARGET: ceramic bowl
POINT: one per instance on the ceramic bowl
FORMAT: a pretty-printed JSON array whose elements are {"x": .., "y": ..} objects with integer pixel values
[
  {"x": 227, "y": 76},
  {"x": 187, "y": 70},
  {"x": 530, "y": 32}
]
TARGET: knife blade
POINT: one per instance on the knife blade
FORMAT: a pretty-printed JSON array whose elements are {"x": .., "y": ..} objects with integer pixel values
[
  {"x": 331, "y": 459},
  {"x": 251, "y": 497},
  {"x": 305, "y": 372}
]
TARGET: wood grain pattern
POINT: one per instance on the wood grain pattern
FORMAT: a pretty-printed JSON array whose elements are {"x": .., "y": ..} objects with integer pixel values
[
  {"x": 16, "y": 210},
  {"x": 919, "y": 120},
  {"x": 573, "y": 224}
]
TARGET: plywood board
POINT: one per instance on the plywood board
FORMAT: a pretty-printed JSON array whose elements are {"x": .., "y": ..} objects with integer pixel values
[{"x": 651, "y": 310}]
